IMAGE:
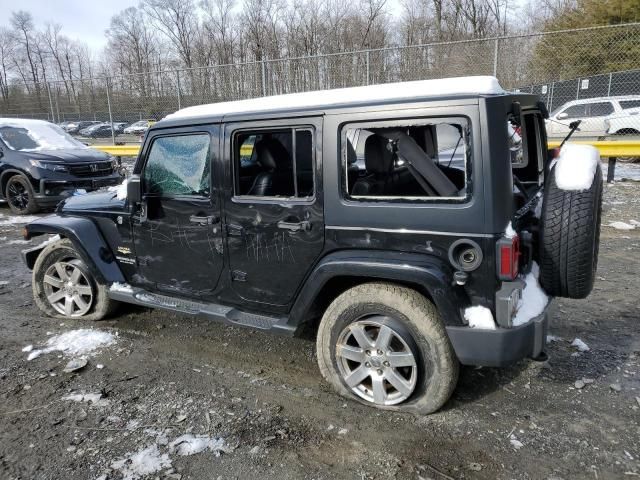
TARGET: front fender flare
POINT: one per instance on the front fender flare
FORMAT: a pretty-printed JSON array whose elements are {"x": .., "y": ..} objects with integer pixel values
[
  {"x": 87, "y": 240},
  {"x": 419, "y": 270}
]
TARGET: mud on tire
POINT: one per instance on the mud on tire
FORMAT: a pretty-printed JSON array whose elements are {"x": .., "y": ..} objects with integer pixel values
[
  {"x": 570, "y": 237},
  {"x": 418, "y": 320}
]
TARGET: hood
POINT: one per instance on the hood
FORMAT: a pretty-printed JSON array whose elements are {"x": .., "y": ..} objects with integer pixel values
[
  {"x": 95, "y": 201},
  {"x": 76, "y": 155}
]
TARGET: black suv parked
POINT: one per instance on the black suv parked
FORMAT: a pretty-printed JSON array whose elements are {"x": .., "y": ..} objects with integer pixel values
[
  {"x": 406, "y": 226},
  {"x": 41, "y": 164}
]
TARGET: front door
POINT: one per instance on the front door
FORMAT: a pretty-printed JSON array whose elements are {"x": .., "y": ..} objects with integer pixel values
[
  {"x": 273, "y": 209},
  {"x": 177, "y": 234}
]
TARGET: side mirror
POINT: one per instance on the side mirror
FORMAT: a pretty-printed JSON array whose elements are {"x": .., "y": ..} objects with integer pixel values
[
  {"x": 562, "y": 115},
  {"x": 134, "y": 190}
]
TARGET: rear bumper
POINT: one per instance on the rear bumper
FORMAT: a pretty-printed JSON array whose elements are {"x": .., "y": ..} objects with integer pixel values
[{"x": 502, "y": 346}]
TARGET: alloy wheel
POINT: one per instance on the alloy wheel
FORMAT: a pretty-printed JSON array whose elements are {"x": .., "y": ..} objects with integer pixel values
[
  {"x": 68, "y": 288},
  {"x": 18, "y": 195},
  {"x": 376, "y": 362}
]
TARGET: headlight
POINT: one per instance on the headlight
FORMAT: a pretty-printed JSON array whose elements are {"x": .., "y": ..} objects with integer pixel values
[
  {"x": 114, "y": 162},
  {"x": 55, "y": 167}
]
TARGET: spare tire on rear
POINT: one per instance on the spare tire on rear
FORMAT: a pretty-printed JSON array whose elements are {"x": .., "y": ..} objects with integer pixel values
[{"x": 569, "y": 238}]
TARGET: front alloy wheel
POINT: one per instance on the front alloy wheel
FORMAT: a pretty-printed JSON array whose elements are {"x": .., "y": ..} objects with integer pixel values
[
  {"x": 376, "y": 362},
  {"x": 68, "y": 288}
]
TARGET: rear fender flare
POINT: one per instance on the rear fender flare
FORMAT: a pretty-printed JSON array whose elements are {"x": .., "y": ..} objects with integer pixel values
[
  {"x": 420, "y": 271},
  {"x": 87, "y": 240}
]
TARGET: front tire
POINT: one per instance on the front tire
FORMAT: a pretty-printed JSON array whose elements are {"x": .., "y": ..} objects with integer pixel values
[
  {"x": 63, "y": 286},
  {"x": 20, "y": 196},
  {"x": 385, "y": 346}
]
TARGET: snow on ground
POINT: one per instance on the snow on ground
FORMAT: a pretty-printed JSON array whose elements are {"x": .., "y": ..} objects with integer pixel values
[
  {"x": 75, "y": 343},
  {"x": 51, "y": 239},
  {"x": 121, "y": 190},
  {"x": 533, "y": 301},
  {"x": 625, "y": 171},
  {"x": 143, "y": 462},
  {"x": 91, "y": 398},
  {"x": 576, "y": 166},
  {"x": 479, "y": 317},
  {"x": 17, "y": 219},
  {"x": 621, "y": 226},
  {"x": 509, "y": 231},
  {"x": 580, "y": 345},
  {"x": 189, "y": 444},
  {"x": 121, "y": 287}
]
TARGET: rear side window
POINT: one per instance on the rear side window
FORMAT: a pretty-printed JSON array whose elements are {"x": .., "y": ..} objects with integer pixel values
[
  {"x": 600, "y": 109},
  {"x": 178, "y": 165},
  {"x": 414, "y": 160},
  {"x": 274, "y": 163},
  {"x": 627, "y": 104}
]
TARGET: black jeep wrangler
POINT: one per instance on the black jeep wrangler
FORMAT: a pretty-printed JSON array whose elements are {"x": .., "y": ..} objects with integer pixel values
[{"x": 410, "y": 227}]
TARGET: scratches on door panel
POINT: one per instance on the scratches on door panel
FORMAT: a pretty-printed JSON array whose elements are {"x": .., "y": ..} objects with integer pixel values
[{"x": 269, "y": 248}]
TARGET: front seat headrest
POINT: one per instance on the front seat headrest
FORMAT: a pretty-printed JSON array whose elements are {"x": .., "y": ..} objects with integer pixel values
[
  {"x": 271, "y": 154},
  {"x": 377, "y": 157}
]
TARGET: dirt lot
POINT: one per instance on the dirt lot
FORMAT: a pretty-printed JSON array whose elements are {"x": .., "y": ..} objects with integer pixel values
[{"x": 267, "y": 414}]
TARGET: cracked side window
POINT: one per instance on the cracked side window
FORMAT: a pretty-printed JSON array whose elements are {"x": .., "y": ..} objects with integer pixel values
[{"x": 178, "y": 165}]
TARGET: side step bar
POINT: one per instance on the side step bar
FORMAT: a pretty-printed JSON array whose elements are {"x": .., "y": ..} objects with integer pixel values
[{"x": 212, "y": 311}]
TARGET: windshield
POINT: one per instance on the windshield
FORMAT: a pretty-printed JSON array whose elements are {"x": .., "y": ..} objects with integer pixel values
[{"x": 34, "y": 136}]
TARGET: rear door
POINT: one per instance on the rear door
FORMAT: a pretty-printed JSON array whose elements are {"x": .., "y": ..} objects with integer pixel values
[
  {"x": 593, "y": 124},
  {"x": 273, "y": 206},
  {"x": 177, "y": 233}
]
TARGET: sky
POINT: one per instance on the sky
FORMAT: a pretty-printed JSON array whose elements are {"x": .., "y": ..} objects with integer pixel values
[{"x": 84, "y": 20}]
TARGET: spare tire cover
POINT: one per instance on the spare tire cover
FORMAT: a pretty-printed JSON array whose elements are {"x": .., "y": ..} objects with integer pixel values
[{"x": 569, "y": 238}]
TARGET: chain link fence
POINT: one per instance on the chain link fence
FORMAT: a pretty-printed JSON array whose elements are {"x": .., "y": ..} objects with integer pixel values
[{"x": 559, "y": 66}]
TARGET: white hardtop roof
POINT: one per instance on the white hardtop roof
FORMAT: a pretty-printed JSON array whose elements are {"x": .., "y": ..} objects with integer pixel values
[{"x": 479, "y": 85}]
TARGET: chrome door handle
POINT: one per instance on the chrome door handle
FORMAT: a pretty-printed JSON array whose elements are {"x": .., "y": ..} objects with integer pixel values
[
  {"x": 210, "y": 220},
  {"x": 303, "y": 226}
]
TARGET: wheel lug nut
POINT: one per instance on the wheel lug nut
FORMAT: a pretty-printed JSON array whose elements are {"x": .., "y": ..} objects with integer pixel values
[
  {"x": 379, "y": 352},
  {"x": 386, "y": 364},
  {"x": 367, "y": 364},
  {"x": 368, "y": 352},
  {"x": 379, "y": 371}
]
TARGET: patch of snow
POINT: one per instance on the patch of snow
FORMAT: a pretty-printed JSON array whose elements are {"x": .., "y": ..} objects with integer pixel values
[
  {"x": 635, "y": 223},
  {"x": 141, "y": 463},
  {"x": 479, "y": 317},
  {"x": 509, "y": 232},
  {"x": 576, "y": 166},
  {"x": 17, "y": 219},
  {"x": 28, "y": 348},
  {"x": 533, "y": 301},
  {"x": 121, "y": 287},
  {"x": 93, "y": 398},
  {"x": 515, "y": 443},
  {"x": 51, "y": 239},
  {"x": 309, "y": 100},
  {"x": 4, "y": 282},
  {"x": 538, "y": 209},
  {"x": 580, "y": 345},
  {"x": 121, "y": 190},
  {"x": 18, "y": 242},
  {"x": 553, "y": 338},
  {"x": 621, "y": 226},
  {"x": 189, "y": 444},
  {"x": 75, "y": 342},
  {"x": 35, "y": 135}
]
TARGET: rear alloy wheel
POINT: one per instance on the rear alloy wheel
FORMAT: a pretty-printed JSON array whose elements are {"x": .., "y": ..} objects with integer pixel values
[
  {"x": 19, "y": 195},
  {"x": 384, "y": 345},
  {"x": 64, "y": 287}
]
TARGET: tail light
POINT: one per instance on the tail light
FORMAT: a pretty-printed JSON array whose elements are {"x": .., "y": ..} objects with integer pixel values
[{"x": 508, "y": 256}]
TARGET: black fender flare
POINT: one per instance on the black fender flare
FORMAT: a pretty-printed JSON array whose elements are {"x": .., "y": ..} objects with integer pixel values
[
  {"x": 87, "y": 240},
  {"x": 427, "y": 272}
]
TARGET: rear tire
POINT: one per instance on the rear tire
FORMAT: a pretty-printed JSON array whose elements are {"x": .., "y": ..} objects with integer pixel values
[
  {"x": 63, "y": 285},
  {"x": 19, "y": 195},
  {"x": 415, "y": 330},
  {"x": 570, "y": 238}
]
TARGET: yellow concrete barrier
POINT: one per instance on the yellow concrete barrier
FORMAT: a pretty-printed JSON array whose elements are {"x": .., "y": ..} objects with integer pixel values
[{"x": 609, "y": 148}]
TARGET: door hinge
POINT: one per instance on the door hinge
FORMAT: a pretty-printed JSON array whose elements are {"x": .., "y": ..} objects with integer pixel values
[{"x": 238, "y": 276}]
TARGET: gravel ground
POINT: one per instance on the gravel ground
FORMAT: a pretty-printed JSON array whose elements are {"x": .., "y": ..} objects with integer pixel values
[{"x": 255, "y": 404}]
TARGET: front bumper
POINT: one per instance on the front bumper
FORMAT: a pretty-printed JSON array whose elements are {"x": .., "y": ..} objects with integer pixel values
[
  {"x": 51, "y": 192},
  {"x": 502, "y": 346}
]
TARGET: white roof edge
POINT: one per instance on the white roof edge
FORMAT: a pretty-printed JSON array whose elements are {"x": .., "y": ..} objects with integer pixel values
[
  {"x": 477, "y": 85},
  {"x": 17, "y": 121}
]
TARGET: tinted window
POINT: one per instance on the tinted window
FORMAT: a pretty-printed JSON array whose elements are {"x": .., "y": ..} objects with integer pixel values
[
  {"x": 576, "y": 111},
  {"x": 274, "y": 163},
  {"x": 178, "y": 165},
  {"x": 424, "y": 159},
  {"x": 626, "y": 104},
  {"x": 600, "y": 109}
]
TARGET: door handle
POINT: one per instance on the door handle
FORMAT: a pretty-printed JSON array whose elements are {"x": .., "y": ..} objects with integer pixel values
[
  {"x": 303, "y": 226},
  {"x": 204, "y": 220}
]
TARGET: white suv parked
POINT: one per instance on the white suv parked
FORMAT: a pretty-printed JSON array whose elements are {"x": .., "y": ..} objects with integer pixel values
[
  {"x": 626, "y": 122},
  {"x": 592, "y": 111}
]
